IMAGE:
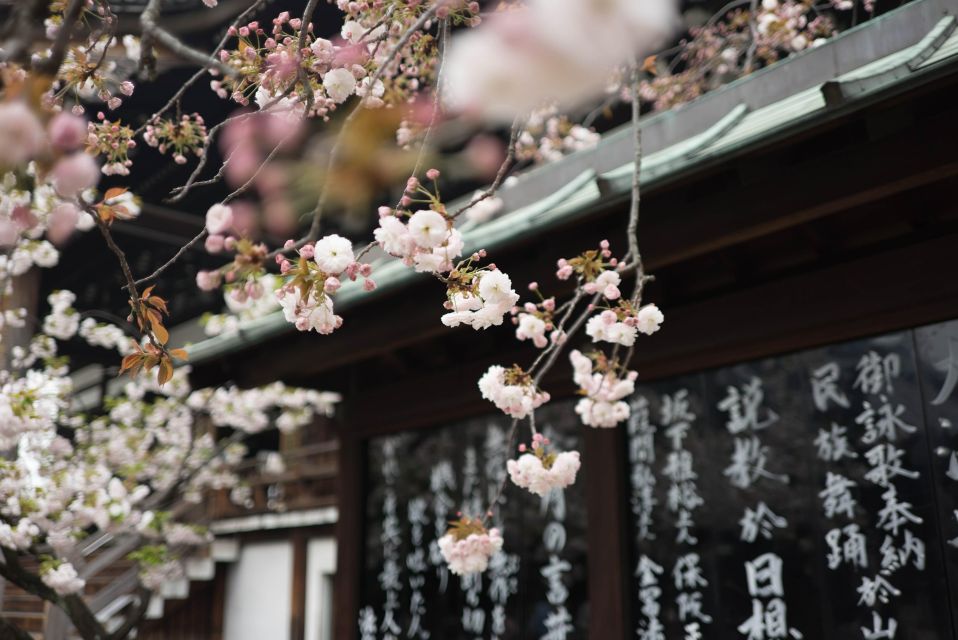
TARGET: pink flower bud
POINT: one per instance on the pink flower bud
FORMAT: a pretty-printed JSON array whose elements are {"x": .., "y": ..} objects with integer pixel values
[
  {"x": 307, "y": 251},
  {"x": 67, "y": 132},
  {"x": 285, "y": 266},
  {"x": 612, "y": 292},
  {"x": 214, "y": 243},
  {"x": 230, "y": 243},
  {"x": 365, "y": 270},
  {"x": 432, "y": 174},
  {"x": 289, "y": 244},
  {"x": 549, "y": 304},
  {"x": 412, "y": 183},
  {"x": 604, "y": 244},
  {"x": 369, "y": 284},
  {"x": 208, "y": 280},
  {"x": 332, "y": 285},
  {"x": 608, "y": 316},
  {"x": 533, "y": 286}
]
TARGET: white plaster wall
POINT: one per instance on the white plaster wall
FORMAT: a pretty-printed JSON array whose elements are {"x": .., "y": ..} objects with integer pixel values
[{"x": 258, "y": 593}]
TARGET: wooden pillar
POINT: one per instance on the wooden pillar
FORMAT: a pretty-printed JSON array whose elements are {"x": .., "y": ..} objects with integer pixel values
[
  {"x": 606, "y": 533},
  {"x": 349, "y": 542},
  {"x": 297, "y": 617},
  {"x": 25, "y": 295}
]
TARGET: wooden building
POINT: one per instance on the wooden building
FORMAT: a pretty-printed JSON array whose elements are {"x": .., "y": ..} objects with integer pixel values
[{"x": 802, "y": 227}]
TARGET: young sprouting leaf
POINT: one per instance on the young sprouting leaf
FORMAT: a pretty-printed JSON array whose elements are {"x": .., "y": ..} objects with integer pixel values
[
  {"x": 648, "y": 65},
  {"x": 179, "y": 354},
  {"x": 113, "y": 192},
  {"x": 166, "y": 371},
  {"x": 159, "y": 331}
]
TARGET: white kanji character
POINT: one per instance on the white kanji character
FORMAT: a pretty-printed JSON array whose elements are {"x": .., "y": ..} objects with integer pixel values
[
  {"x": 760, "y": 520},
  {"x": 825, "y": 389}
]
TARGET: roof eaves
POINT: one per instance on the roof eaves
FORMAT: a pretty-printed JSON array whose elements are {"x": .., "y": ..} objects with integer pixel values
[{"x": 575, "y": 186}]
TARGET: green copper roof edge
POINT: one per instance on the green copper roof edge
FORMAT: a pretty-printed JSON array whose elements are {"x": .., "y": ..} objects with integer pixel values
[{"x": 393, "y": 274}]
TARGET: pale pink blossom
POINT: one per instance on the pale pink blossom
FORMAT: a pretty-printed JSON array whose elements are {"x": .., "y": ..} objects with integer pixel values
[
  {"x": 219, "y": 219},
  {"x": 333, "y": 254},
  {"x": 21, "y": 134},
  {"x": 515, "y": 399},
  {"x": 428, "y": 228},
  {"x": 67, "y": 132},
  {"x": 339, "y": 84},
  {"x": 75, "y": 173},
  {"x": 63, "y": 579},
  {"x": 472, "y": 554},
  {"x": 529, "y": 472},
  {"x": 649, "y": 319},
  {"x": 208, "y": 280}
]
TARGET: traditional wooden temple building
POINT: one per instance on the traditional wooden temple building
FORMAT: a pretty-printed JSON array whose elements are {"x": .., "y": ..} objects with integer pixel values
[
  {"x": 789, "y": 469},
  {"x": 790, "y": 466}
]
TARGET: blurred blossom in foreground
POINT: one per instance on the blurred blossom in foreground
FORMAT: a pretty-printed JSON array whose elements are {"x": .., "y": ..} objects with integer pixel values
[{"x": 551, "y": 50}]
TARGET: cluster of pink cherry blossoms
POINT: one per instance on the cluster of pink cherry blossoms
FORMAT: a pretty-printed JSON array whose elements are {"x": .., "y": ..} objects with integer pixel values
[
  {"x": 541, "y": 471},
  {"x": 468, "y": 546}
]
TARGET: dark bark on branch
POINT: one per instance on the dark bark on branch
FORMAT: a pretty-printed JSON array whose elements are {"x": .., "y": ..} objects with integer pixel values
[
  {"x": 76, "y": 609},
  {"x": 12, "y": 631}
]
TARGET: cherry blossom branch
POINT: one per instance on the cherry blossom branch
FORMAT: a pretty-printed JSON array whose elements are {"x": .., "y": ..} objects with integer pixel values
[
  {"x": 517, "y": 126},
  {"x": 317, "y": 211},
  {"x": 178, "y": 193},
  {"x": 153, "y": 31},
  {"x": 58, "y": 51},
  {"x": 135, "y": 616},
  {"x": 513, "y": 429},
  {"x": 199, "y": 237},
  {"x": 83, "y": 619},
  {"x": 568, "y": 334},
  {"x": 204, "y": 70},
  {"x": 269, "y": 158},
  {"x": 301, "y": 72},
  {"x": 22, "y": 30},
  {"x": 12, "y": 631},
  {"x": 128, "y": 274},
  {"x": 632, "y": 231},
  {"x": 443, "y": 40}
]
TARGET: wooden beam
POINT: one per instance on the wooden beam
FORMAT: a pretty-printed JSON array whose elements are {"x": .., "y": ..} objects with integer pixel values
[
  {"x": 297, "y": 615},
  {"x": 608, "y": 574},
  {"x": 798, "y": 193},
  {"x": 892, "y": 290},
  {"x": 349, "y": 537}
]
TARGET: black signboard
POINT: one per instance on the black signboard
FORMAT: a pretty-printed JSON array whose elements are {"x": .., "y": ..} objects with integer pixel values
[
  {"x": 802, "y": 496},
  {"x": 812, "y": 495},
  {"x": 418, "y": 482}
]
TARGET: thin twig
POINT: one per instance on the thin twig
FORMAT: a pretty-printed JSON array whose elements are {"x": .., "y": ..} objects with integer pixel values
[
  {"x": 502, "y": 485},
  {"x": 301, "y": 72},
  {"x": 199, "y": 237},
  {"x": 437, "y": 90},
  {"x": 58, "y": 51},
  {"x": 317, "y": 211},
  {"x": 148, "y": 22},
  {"x": 517, "y": 126},
  {"x": 204, "y": 70}
]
